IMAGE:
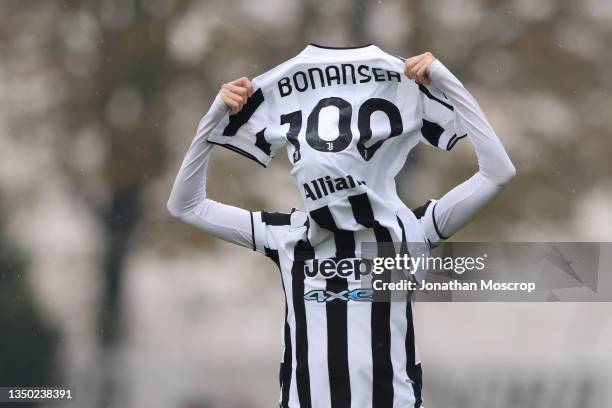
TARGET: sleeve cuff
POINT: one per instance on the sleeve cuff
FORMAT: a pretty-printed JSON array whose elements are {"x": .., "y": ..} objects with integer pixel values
[
  {"x": 435, "y": 69},
  {"x": 430, "y": 227},
  {"x": 218, "y": 108}
]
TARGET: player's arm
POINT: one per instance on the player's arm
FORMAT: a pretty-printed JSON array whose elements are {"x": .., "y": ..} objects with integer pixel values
[
  {"x": 188, "y": 200},
  {"x": 460, "y": 205}
]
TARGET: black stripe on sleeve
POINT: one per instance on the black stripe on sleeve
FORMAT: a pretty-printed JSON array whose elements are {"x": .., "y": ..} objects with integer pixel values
[
  {"x": 302, "y": 251},
  {"x": 275, "y": 218},
  {"x": 337, "y": 314},
  {"x": 382, "y": 388},
  {"x": 427, "y": 93},
  {"x": 453, "y": 141},
  {"x": 435, "y": 224},
  {"x": 253, "y": 231},
  {"x": 239, "y": 119}
]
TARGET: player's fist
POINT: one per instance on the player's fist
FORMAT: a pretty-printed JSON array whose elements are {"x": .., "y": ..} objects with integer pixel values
[
  {"x": 416, "y": 67},
  {"x": 236, "y": 93}
]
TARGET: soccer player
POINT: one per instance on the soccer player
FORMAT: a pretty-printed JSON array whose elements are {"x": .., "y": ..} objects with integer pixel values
[{"x": 340, "y": 350}]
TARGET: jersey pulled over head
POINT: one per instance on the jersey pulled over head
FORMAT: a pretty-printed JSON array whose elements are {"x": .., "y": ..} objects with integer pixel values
[{"x": 348, "y": 118}]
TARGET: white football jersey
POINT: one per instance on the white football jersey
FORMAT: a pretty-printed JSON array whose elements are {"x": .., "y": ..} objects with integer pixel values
[{"x": 348, "y": 118}]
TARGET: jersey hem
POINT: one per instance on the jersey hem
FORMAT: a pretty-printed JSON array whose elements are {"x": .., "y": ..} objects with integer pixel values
[{"x": 239, "y": 151}]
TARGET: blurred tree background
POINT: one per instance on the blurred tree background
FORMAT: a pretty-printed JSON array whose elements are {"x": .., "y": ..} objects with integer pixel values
[
  {"x": 100, "y": 99},
  {"x": 28, "y": 331}
]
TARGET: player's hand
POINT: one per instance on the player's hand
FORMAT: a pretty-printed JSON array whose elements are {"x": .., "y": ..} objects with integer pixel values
[
  {"x": 236, "y": 93},
  {"x": 416, "y": 67}
]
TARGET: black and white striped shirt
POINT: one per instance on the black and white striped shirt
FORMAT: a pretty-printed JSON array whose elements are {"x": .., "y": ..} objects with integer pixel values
[{"x": 340, "y": 348}]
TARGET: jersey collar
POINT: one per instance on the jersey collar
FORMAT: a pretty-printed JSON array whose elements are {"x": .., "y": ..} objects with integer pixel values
[{"x": 322, "y": 51}]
